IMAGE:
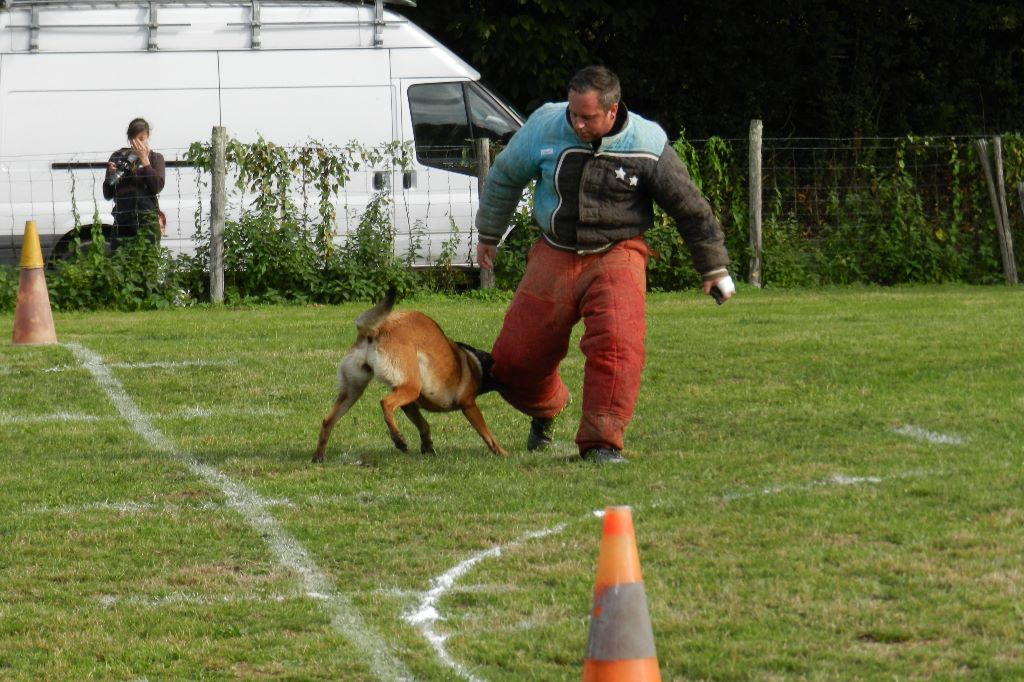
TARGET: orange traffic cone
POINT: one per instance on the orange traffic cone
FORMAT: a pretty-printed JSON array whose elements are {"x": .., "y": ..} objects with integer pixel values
[
  {"x": 620, "y": 646},
  {"x": 33, "y": 321}
]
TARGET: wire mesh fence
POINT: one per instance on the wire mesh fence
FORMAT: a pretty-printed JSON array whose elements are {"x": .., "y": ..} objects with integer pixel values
[
  {"x": 430, "y": 211},
  {"x": 835, "y": 210},
  {"x": 879, "y": 210}
]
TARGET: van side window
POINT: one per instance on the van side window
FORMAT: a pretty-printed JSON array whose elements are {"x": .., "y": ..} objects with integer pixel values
[{"x": 446, "y": 117}]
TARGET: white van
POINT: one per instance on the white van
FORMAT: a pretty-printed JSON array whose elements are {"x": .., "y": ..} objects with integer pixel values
[{"x": 74, "y": 73}]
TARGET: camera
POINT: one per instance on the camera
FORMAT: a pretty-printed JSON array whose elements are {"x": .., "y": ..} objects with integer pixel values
[{"x": 122, "y": 166}]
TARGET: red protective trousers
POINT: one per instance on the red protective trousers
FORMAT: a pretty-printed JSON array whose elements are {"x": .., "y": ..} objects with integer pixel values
[{"x": 607, "y": 291}]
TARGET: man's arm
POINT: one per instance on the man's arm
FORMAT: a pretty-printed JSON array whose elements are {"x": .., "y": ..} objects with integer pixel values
[
  {"x": 485, "y": 254},
  {"x": 511, "y": 172},
  {"x": 675, "y": 192}
]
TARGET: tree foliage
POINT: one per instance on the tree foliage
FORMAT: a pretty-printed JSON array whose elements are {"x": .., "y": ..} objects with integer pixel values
[{"x": 830, "y": 68}]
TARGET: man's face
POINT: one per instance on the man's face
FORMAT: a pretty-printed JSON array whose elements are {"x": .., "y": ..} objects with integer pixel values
[{"x": 588, "y": 118}]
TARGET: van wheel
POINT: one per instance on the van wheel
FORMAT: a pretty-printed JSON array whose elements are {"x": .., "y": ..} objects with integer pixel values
[{"x": 65, "y": 249}]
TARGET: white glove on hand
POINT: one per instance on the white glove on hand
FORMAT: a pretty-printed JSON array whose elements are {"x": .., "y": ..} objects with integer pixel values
[{"x": 723, "y": 289}]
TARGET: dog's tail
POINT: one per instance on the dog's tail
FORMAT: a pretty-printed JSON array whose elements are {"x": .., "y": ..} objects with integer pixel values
[{"x": 366, "y": 324}]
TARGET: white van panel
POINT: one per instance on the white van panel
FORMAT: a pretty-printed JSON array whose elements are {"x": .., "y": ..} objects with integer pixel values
[
  {"x": 109, "y": 71},
  {"x": 319, "y": 27},
  {"x": 56, "y": 103},
  {"x": 402, "y": 34},
  {"x": 303, "y": 68},
  {"x": 65, "y": 31},
  {"x": 182, "y": 28},
  {"x": 290, "y": 96},
  {"x": 332, "y": 115},
  {"x": 94, "y": 121},
  {"x": 429, "y": 65}
]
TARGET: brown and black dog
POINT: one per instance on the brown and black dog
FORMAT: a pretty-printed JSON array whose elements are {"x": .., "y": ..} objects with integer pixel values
[{"x": 408, "y": 352}]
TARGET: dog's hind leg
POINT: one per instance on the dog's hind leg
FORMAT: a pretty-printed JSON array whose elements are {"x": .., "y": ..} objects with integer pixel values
[
  {"x": 476, "y": 418},
  {"x": 399, "y": 397},
  {"x": 339, "y": 408},
  {"x": 352, "y": 381},
  {"x": 412, "y": 411}
]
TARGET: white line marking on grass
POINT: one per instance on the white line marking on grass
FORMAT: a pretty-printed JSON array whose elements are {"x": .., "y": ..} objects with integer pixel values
[
  {"x": 426, "y": 615},
  {"x": 930, "y": 436},
  {"x": 256, "y": 511},
  {"x": 835, "y": 480},
  {"x": 109, "y": 601},
  {"x": 126, "y": 507},
  {"x": 169, "y": 364},
  {"x": 187, "y": 413},
  {"x": 6, "y": 418},
  {"x": 137, "y": 507},
  {"x": 204, "y": 413},
  {"x": 158, "y": 364}
]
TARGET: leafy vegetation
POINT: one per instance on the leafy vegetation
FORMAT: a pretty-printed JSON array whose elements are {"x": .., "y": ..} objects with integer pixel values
[
  {"x": 909, "y": 210},
  {"x": 807, "y": 68},
  {"x": 8, "y": 288}
]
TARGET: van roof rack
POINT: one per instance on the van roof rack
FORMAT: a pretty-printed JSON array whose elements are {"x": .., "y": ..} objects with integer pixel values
[
  {"x": 6, "y": 4},
  {"x": 153, "y": 5}
]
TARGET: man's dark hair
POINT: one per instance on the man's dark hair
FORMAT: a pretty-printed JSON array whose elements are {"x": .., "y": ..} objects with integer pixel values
[
  {"x": 600, "y": 79},
  {"x": 137, "y": 126}
]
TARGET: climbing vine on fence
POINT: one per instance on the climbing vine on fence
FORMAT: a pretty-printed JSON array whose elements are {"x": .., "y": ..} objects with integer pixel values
[
  {"x": 280, "y": 245},
  {"x": 272, "y": 177},
  {"x": 283, "y": 244}
]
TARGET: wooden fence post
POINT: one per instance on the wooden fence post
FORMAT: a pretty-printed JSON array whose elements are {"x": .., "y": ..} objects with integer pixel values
[
  {"x": 1007, "y": 234},
  {"x": 482, "y": 148},
  {"x": 1002, "y": 228},
  {"x": 754, "y": 207},
  {"x": 218, "y": 199}
]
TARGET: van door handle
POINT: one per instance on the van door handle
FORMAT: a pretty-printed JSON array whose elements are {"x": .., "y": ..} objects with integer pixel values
[
  {"x": 408, "y": 179},
  {"x": 380, "y": 179}
]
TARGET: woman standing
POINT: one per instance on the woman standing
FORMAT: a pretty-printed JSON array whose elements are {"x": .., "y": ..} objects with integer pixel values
[{"x": 135, "y": 175}]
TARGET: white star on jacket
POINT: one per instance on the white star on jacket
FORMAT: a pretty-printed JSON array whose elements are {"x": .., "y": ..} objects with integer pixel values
[
  {"x": 633, "y": 180},
  {"x": 620, "y": 173}
]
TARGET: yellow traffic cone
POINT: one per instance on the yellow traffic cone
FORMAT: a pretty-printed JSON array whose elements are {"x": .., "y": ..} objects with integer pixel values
[
  {"x": 620, "y": 645},
  {"x": 33, "y": 320}
]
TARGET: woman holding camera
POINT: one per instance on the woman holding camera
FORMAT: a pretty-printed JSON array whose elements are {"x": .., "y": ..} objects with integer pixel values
[{"x": 135, "y": 175}]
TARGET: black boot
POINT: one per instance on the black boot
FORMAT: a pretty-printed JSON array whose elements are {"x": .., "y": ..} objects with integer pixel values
[
  {"x": 604, "y": 456},
  {"x": 541, "y": 433}
]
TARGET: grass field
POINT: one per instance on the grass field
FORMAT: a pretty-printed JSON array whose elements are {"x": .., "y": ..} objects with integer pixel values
[{"x": 825, "y": 485}]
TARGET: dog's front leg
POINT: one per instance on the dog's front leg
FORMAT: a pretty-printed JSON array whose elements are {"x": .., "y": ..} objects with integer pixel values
[
  {"x": 412, "y": 411},
  {"x": 476, "y": 418}
]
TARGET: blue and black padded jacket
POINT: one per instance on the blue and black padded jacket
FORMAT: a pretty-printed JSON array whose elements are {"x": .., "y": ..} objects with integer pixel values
[{"x": 586, "y": 199}]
